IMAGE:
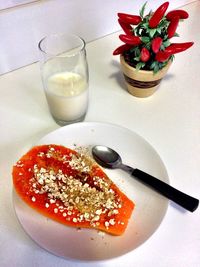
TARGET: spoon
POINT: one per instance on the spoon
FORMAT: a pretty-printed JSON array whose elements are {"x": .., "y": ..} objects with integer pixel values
[{"x": 109, "y": 158}]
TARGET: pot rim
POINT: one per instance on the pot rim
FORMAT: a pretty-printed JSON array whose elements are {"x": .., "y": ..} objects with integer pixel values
[{"x": 143, "y": 71}]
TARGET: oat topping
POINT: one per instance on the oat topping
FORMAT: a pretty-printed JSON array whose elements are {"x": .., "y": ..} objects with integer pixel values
[
  {"x": 55, "y": 210},
  {"x": 106, "y": 224},
  {"x": 33, "y": 199},
  {"x": 81, "y": 195}
]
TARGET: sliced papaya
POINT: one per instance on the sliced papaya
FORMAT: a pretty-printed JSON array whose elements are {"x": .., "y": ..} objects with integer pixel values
[{"x": 71, "y": 189}]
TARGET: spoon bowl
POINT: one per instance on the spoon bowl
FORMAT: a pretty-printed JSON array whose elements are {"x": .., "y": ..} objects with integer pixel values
[{"x": 106, "y": 157}]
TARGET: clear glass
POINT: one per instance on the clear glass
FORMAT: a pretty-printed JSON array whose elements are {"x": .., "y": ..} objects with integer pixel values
[{"x": 64, "y": 71}]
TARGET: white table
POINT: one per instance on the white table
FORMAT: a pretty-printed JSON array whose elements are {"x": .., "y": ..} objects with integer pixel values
[{"x": 169, "y": 121}]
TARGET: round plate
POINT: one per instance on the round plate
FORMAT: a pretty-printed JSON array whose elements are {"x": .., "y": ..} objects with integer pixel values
[{"x": 89, "y": 244}]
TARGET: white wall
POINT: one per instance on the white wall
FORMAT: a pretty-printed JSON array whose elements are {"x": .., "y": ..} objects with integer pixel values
[
  {"x": 12, "y": 3},
  {"x": 22, "y": 27}
]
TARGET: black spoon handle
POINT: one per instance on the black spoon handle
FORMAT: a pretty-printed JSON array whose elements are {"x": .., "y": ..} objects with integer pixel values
[{"x": 185, "y": 201}]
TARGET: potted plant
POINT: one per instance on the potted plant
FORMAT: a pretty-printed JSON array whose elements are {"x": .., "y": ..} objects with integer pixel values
[{"x": 147, "y": 52}]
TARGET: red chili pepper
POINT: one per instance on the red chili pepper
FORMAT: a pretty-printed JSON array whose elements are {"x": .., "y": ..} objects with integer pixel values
[
  {"x": 178, "y": 47},
  {"x": 130, "y": 19},
  {"x": 172, "y": 27},
  {"x": 126, "y": 27},
  {"x": 158, "y": 15},
  {"x": 162, "y": 56},
  {"x": 144, "y": 55},
  {"x": 131, "y": 40},
  {"x": 182, "y": 14},
  {"x": 121, "y": 49},
  {"x": 156, "y": 44}
]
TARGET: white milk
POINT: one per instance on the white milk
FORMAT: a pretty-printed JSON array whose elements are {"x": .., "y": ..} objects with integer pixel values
[{"x": 67, "y": 95}]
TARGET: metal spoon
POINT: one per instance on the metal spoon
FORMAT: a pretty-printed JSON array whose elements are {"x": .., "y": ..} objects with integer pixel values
[{"x": 109, "y": 158}]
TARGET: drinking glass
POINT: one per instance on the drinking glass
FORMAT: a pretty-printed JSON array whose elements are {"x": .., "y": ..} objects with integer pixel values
[{"x": 64, "y": 72}]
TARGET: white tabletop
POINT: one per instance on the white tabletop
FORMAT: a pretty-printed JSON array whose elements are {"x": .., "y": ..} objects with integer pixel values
[{"x": 169, "y": 121}]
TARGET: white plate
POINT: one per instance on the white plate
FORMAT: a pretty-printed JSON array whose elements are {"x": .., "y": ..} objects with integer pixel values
[{"x": 88, "y": 244}]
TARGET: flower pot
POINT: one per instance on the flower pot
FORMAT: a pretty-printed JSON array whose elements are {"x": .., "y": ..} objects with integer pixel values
[{"x": 142, "y": 83}]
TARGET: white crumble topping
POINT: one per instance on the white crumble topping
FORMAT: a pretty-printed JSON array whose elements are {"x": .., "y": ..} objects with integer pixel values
[
  {"x": 98, "y": 212},
  {"x": 112, "y": 221},
  {"x": 90, "y": 196},
  {"x": 55, "y": 210},
  {"x": 106, "y": 224},
  {"x": 33, "y": 199}
]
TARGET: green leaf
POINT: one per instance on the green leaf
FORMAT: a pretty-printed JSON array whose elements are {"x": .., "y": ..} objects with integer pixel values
[
  {"x": 152, "y": 32},
  {"x": 140, "y": 65},
  {"x": 148, "y": 45},
  {"x": 145, "y": 39},
  {"x": 166, "y": 43},
  {"x": 165, "y": 37},
  {"x": 132, "y": 49},
  {"x": 145, "y": 25},
  {"x": 159, "y": 30},
  {"x": 162, "y": 47},
  {"x": 137, "y": 52},
  {"x": 164, "y": 22},
  {"x": 152, "y": 65},
  {"x": 156, "y": 67},
  {"x": 137, "y": 58},
  {"x": 142, "y": 10},
  {"x": 176, "y": 35},
  {"x": 172, "y": 57}
]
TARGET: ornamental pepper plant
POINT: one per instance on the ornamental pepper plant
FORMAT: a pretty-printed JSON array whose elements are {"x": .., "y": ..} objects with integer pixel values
[{"x": 147, "y": 38}]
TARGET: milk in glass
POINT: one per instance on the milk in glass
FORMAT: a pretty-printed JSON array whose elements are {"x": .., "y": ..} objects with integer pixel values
[{"x": 67, "y": 96}]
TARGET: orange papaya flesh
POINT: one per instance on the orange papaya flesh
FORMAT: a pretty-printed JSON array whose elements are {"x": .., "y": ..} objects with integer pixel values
[{"x": 72, "y": 189}]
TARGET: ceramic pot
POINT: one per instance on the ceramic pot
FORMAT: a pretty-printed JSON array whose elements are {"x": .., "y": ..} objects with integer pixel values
[{"x": 142, "y": 83}]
